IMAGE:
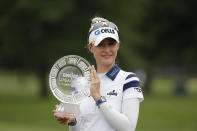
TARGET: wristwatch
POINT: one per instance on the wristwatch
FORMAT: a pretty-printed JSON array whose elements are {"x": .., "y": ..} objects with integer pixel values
[{"x": 101, "y": 100}]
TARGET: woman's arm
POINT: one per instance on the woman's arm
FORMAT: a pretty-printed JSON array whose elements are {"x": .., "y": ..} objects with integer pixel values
[
  {"x": 121, "y": 121},
  {"x": 125, "y": 121}
]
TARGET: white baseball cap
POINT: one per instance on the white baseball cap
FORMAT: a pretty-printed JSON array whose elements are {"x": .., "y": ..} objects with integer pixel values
[{"x": 102, "y": 33}]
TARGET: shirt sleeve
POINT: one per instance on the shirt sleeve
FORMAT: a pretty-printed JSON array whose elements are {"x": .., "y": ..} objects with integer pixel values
[
  {"x": 76, "y": 127},
  {"x": 131, "y": 88},
  {"x": 125, "y": 120},
  {"x": 132, "y": 96}
]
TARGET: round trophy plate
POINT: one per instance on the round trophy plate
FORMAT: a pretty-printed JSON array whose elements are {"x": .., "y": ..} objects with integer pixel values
[{"x": 68, "y": 71}]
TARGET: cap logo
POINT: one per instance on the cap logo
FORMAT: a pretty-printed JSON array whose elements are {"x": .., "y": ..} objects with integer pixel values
[
  {"x": 96, "y": 36},
  {"x": 97, "y": 32},
  {"x": 93, "y": 41},
  {"x": 108, "y": 31}
]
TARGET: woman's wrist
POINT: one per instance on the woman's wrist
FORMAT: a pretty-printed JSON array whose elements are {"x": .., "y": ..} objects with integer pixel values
[
  {"x": 73, "y": 123},
  {"x": 97, "y": 97}
]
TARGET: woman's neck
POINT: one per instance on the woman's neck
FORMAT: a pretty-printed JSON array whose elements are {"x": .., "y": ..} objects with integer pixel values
[{"x": 104, "y": 68}]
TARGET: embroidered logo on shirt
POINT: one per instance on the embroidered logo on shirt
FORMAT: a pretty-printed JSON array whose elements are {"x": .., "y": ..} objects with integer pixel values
[
  {"x": 138, "y": 89},
  {"x": 112, "y": 93}
]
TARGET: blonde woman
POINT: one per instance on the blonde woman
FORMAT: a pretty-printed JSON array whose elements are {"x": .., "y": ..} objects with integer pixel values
[{"x": 115, "y": 95}]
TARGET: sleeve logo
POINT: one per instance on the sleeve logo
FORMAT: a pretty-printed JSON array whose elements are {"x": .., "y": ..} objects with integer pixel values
[{"x": 138, "y": 89}]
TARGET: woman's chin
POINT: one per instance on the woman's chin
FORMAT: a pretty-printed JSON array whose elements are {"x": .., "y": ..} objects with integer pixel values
[{"x": 107, "y": 63}]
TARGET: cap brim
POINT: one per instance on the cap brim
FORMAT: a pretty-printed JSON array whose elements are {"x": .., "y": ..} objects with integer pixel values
[{"x": 104, "y": 36}]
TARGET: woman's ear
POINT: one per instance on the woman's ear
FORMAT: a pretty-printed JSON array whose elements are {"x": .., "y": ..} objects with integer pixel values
[
  {"x": 90, "y": 47},
  {"x": 118, "y": 45}
]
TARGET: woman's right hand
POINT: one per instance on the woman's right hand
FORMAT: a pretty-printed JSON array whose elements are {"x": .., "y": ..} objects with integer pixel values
[
  {"x": 63, "y": 120},
  {"x": 95, "y": 84}
]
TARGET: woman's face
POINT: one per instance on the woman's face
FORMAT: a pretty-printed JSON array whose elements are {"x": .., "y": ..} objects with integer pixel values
[{"x": 105, "y": 53}]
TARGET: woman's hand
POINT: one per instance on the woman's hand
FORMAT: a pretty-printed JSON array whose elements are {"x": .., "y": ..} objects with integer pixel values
[
  {"x": 64, "y": 120},
  {"x": 95, "y": 84}
]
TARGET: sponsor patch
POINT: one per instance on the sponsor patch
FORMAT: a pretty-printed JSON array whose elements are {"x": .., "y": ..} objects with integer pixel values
[
  {"x": 138, "y": 89},
  {"x": 114, "y": 93},
  {"x": 98, "y": 32}
]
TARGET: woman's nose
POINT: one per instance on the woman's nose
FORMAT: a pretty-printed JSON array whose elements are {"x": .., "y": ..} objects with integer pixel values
[{"x": 106, "y": 48}]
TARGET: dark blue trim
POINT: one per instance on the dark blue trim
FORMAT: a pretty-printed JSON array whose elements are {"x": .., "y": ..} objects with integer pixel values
[
  {"x": 73, "y": 123},
  {"x": 131, "y": 75},
  {"x": 113, "y": 72},
  {"x": 131, "y": 84},
  {"x": 99, "y": 102}
]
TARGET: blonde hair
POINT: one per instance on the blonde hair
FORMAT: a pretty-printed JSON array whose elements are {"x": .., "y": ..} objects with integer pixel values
[{"x": 98, "y": 19}]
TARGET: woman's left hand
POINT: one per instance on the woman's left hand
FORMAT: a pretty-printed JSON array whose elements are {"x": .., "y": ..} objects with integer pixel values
[
  {"x": 64, "y": 120},
  {"x": 95, "y": 84}
]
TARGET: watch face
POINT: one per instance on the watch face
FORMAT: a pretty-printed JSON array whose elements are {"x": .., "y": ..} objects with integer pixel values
[
  {"x": 68, "y": 77},
  {"x": 103, "y": 99}
]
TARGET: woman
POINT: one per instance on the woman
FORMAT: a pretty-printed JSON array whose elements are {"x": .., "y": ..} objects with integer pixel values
[{"x": 115, "y": 95}]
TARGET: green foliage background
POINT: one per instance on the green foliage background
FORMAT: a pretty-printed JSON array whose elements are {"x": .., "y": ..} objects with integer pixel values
[
  {"x": 22, "y": 109},
  {"x": 157, "y": 37}
]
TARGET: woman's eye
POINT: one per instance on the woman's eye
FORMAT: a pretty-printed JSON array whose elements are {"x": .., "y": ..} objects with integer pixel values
[
  {"x": 111, "y": 43},
  {"x": 100, "y": 45}
]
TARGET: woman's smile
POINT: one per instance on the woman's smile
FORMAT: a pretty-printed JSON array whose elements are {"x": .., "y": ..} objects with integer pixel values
[{"x": 106, "y": 56}]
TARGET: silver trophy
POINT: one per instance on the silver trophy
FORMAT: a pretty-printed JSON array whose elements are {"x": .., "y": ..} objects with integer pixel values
[{"x": 69, "y": 81}]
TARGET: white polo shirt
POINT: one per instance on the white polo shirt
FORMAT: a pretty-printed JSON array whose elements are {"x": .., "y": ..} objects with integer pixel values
[{"x": 116, "y": 86}]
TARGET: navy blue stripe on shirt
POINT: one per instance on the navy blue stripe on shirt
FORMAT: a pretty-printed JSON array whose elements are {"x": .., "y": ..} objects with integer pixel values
[
  {"x": 113, "y": 72},
  {"x": 131, "y": 75},
  {"x": 131, "y": 84}
]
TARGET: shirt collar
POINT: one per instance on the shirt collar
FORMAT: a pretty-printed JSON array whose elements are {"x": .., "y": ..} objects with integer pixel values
[{"x": 113, "y": 72}]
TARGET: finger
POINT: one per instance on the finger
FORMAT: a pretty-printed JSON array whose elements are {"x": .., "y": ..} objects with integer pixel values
[
  {"x": 71, "y": 119},
  {"x": 90, "y": 68},
  {"x": 63, "y": 118},
  {"x": 92, "y": 73},
  {"x": 95, "y": 74},
  {"x": 63, "y": 123},
  {"x": 58, "y": 118}
]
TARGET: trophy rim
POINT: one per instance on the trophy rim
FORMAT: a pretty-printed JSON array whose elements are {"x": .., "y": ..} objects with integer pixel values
[{"x": 56, "y": 88}]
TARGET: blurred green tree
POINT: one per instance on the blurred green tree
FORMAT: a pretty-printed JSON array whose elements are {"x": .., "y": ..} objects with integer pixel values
[
  {"x": 154, "y": 34},
  {"x": 167, "y": 39},
  {"x": 34, "y": 34}
]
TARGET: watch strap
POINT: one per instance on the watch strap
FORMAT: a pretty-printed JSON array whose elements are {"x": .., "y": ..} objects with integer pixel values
[
  {"x": 99, "y": 101},
  {"x": 73, "y": 123}
]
